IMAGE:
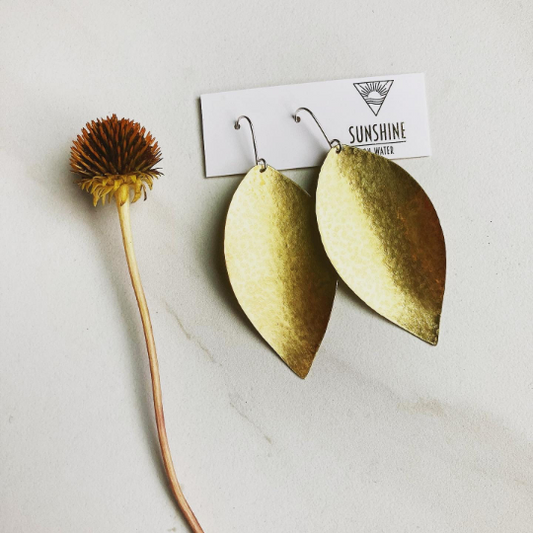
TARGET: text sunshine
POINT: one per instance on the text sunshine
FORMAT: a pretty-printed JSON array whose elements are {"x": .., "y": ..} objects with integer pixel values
[{"x": 377, "y": 133}]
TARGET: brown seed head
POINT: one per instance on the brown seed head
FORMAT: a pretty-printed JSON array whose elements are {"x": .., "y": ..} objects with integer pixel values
[{"x": 110, "y": 153}]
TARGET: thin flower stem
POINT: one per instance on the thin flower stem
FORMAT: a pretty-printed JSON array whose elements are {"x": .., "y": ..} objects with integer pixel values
[{"x": 123, "y": 205}]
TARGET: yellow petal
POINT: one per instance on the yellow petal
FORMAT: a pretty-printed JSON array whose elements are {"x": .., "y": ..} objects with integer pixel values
[
  {"x": 277, "y": 266},
  {"x": 137, "y": 191},
  {"x": 382, "y": 235}
]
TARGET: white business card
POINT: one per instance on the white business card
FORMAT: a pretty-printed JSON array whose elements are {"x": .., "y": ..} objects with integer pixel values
[{"x": 384, "y": 114}]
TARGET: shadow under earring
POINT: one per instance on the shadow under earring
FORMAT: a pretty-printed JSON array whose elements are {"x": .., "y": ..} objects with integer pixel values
[
  {"x": 382, "y": 235},
  {"x": 276, "y": 263}
]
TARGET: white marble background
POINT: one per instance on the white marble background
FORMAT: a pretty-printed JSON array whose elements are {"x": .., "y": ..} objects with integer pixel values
[{"x": 387, "y": 434}]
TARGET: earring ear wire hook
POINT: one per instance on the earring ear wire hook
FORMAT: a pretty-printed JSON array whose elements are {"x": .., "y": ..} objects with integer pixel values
[
  {"x": 261, "y": 162},
  {"x": 334, "y": 143}
]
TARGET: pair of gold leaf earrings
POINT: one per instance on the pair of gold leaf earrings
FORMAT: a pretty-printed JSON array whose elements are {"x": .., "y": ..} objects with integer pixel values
[{"x": 373, "y": 221}]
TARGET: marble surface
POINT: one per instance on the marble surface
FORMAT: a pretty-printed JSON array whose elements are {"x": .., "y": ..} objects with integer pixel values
[{"x": 387, "y": 434}]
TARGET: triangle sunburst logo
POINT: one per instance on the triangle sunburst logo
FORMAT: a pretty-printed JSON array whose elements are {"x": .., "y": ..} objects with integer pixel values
[{"x": 374, "y": 93}]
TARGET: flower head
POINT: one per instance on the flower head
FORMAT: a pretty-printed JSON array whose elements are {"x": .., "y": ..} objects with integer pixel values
[{"x": 110, "y": 153}]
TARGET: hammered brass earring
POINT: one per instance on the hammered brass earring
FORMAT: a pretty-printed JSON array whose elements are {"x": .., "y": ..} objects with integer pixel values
[
  {"x": 276, "y": 264},
  {"x": 382, "y": 235}
]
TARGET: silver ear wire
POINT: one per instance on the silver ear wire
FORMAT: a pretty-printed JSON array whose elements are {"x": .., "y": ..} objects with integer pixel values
[
  {"x": 258, "y": 161},
  {"x": 334, "y": 143}
]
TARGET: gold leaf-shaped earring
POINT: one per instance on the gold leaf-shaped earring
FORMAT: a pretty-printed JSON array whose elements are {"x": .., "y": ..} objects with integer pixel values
[
  {"x": 276, "y": 263},
  {"x": 382, "y": 235}
]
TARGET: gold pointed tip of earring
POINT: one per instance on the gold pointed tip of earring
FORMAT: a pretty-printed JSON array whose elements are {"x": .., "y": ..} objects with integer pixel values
[
  {"x": 300, "y": 372},
  {"x": 434, "y": 341},
  {"x": 431, "y": 337},
  {"x": 300, "y": 367}
]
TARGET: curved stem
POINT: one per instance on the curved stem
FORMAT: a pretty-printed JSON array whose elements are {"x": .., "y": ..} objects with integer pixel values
[{"x": 123, "y": 205}]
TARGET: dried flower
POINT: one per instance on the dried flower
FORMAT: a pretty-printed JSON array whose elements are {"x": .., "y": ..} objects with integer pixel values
[
  {"x": 115, "y": 157},
  {"x": 110, "y": 153}
]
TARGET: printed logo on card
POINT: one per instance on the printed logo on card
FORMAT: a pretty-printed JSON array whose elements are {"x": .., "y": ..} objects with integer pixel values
[{"x": 374, "y": 93}]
